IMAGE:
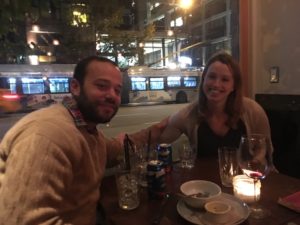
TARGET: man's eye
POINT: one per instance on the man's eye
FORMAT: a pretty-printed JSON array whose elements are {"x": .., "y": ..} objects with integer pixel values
[
  {"x": 101, "y": 86},
  {"x": 118, "y": 91}
]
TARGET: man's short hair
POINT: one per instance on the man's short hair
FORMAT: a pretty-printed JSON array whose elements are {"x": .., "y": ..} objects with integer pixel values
[{"x": 80, "y": 69}]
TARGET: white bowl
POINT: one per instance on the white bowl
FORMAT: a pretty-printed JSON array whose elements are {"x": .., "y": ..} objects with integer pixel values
[
  {"x": 217, "y": 211},
  {"x": 209, "y": 190}
]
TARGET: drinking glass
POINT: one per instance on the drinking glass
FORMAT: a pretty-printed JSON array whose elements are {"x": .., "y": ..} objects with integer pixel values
[
  {"x": 228, "y": 165},
  {"x": 255, "y": 160},
  {"x": 144, "y": 153},
  {"x": 187, "y": 156},
  {"x": 128, "y": 189}
]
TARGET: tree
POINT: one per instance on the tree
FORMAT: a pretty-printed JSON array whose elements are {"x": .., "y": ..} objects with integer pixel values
[
  {"x": 103, "y": 26},
  {"x": 13, "y": 44},
  {"x": 114, "y": 36},
  {"x": 79, "y": 34}
]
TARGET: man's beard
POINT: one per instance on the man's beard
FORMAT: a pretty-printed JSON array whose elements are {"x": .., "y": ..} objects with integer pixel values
[{"x": 89, "y": 111}]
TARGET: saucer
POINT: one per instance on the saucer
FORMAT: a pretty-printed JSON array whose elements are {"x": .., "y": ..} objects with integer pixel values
[{"x": 239, "y": 212}]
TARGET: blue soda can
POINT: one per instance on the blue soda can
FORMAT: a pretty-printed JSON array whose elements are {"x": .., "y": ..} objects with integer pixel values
[
  {"x": 155, "y": 179},
  {"x": 165, "y": 155}
]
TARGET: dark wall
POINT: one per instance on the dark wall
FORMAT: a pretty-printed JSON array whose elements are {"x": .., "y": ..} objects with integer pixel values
[{"x": 283, "y": 112}]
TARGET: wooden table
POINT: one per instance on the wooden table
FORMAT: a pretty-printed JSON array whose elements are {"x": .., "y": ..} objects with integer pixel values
[{"x": 274, "y": 186}]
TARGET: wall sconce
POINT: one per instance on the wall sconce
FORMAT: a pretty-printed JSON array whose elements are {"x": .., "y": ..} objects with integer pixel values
[
  {"x": 31, "y": 45},
  {"x": 55, "y": 42},
  {"x": 35, "y": 28},
  {"x": 274, "y": 74},
  {"x": 170, "y": 33}
]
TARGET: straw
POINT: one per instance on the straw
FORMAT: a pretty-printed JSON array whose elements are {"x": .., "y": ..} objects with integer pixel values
[
  {"x": 126, "y": 152},
  {"x": 148, "y": 145}
]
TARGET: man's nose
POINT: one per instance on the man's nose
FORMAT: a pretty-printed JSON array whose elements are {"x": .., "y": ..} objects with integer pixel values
[{"x": 111, "y": 94}]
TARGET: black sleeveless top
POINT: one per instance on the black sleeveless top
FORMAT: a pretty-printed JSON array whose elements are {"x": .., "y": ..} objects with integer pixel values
[{"x": 209, "y": 142}]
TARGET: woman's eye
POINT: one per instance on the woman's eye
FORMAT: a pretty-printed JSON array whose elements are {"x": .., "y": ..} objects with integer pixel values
[{"x": 211, "y": 76}]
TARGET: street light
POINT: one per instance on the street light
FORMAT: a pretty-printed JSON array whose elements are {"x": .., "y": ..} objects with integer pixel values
[{"x": 184, "y": 4}]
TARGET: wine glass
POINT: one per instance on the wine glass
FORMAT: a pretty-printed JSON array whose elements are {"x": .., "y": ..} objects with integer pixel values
[{"x": 255, "y": 160}]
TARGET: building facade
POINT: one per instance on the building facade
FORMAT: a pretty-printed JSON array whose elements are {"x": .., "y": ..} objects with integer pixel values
[
  {"x": 190, "y": 36},
  {"x": 64, "y": 31}
]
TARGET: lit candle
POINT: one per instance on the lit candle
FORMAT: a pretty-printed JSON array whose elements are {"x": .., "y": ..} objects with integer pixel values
[{"x": 243, "y": 188}]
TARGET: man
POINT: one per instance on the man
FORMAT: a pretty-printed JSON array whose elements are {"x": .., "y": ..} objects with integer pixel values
[{"x": 52, "y": 161}]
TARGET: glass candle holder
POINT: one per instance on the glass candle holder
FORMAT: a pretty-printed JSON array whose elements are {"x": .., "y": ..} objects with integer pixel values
[{"x": 244, "y": 189}]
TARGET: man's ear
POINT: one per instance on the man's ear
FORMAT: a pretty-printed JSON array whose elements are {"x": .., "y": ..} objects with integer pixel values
[{"x": 75, "y": 87}]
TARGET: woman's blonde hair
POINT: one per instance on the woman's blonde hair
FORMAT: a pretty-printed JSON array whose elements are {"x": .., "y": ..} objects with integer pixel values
[{"x": 233, "y": 107}]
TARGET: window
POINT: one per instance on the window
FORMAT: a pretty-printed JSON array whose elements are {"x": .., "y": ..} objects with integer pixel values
[
  {"x": 12, "y": 85},
  {"x": 190, "y": 81},
  {"x": 138, "y": 84},
  {"x": 59, "y": 85},
  {"x": 156, "y": 83},
  {"x": 173, "y": 82},
  {"x": 33, "y": 85}
]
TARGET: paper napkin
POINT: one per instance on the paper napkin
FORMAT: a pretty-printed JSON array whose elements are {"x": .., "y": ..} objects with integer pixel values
[{"x": 291, "y": 201}]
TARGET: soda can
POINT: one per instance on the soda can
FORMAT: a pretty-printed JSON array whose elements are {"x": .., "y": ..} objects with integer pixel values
[
  {"x": 155, "y": 179},
  {"x": 165, "y": 155}
]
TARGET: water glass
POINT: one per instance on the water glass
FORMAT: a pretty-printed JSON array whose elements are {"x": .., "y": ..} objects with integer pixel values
[
  {"x": 144, "y": 155},
  {"x": 187, "y": 156},
  {"x": 142, "y": 173},
  {"x": 228, "y": 165},
  {"x": 128, "y": 189}
]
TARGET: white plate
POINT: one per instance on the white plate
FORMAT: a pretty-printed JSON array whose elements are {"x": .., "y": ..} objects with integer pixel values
[{"x": 239, "y": 212}]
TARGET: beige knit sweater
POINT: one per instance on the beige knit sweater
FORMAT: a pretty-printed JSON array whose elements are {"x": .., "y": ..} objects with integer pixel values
[{"x": 51, "y": 170}]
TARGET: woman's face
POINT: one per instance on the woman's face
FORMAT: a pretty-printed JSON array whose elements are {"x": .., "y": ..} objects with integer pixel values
[{"x": 218, "y": 83}]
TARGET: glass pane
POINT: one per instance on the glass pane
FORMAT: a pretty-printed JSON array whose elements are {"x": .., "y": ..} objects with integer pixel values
[
  {"x": 190, "y": 81},
  {"x": 156, "y": 83},
  {"x": 12, "y": 85},
  {"x": 33, "y": 85},
  {"x": 173, "y": 81},
  {"x": 138, "y": 84},
  {"x": 59, "y": 85}
]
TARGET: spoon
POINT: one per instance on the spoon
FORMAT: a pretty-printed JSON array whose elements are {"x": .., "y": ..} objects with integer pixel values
[
  {"x": 200, "y": 195},
  {"x": 195, "y": 195}
]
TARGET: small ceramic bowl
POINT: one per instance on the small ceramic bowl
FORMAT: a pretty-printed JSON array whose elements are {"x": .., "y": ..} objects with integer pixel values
[
  {"x": 217, "y": 211},
  {"x": 198, "y": 192}
]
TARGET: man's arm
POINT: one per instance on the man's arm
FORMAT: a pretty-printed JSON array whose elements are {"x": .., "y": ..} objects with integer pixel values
[{"x": 33, "y": 183}]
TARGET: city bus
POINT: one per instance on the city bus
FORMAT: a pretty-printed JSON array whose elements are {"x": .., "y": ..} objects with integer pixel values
[
  {"x": 35, "y": 86},
  {"x": 143, "y": 84}
]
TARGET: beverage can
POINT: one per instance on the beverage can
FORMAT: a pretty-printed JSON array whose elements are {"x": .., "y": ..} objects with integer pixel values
[
  {"x": 155, "y": 179},
  {"x": 165, "y": 155}
]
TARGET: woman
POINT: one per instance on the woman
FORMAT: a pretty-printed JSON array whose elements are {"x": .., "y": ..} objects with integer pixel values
[{"x": 221, "y": 115}]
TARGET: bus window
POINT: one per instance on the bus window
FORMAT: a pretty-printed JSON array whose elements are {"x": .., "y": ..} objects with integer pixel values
[
  {"x": 59, "y": 85},
  {"x": 156, "y": 83},
  {"x": 173, "y": 82},
  {"x": 12, "y": 85},
  {"x": 190, "y": 82},
  {"x": 33, "y": 85},
  {"x": 138, "y": 83},
  {"x": 5, "y": 82}
]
